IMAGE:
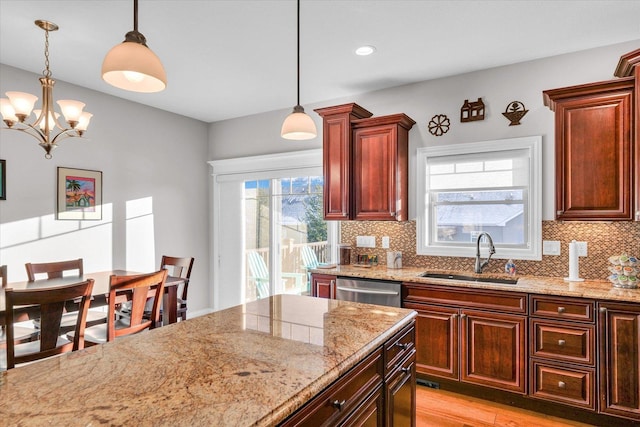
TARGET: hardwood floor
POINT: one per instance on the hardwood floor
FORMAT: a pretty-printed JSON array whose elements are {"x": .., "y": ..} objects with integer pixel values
[{"x": 440, "y": 408}]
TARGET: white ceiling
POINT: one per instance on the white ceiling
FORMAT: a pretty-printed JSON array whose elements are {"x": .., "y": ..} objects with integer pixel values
[{"x": 233, "y": 58}]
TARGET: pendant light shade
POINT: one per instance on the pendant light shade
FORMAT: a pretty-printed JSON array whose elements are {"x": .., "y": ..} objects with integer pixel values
[
  {"x": 132, "y": 66},
  {"x": 298, "y": 125}
]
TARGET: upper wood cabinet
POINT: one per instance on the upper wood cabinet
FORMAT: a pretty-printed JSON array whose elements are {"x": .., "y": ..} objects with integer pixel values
[
  {"x": 381, "y": 167},
  {"x": 594, "y": 151},
  {"x": 365, "y": 164},
  {"x": 629, "y": 66},
  {"x": 337, "y": 158}
]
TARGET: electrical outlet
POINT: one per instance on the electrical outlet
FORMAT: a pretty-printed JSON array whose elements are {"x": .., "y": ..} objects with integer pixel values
[
  {"x": 582, "y": 248},
  {"x": 385, "y": 242},
  {"x": 366, "y": 241},
  {"x": 551, "y": 247}
]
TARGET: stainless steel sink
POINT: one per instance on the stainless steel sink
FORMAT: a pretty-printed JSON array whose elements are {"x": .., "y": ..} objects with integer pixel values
[{"x": 470, "y": 278}]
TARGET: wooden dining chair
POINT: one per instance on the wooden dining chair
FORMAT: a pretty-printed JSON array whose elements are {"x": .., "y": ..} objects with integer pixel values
[
  {"x": 58, "y": 269},
  {"x": 179, "y": 267},
  {"x": 54, "y": 270},
  {"x": 50, "y": 303},
  {"x": 134, "y": 289},
  {"x": 22, "y": 333}
]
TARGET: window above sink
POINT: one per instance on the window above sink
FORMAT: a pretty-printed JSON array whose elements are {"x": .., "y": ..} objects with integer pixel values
[{"x": 491, "y": 186}]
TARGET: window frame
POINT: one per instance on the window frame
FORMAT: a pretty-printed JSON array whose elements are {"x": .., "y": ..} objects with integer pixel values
[{"x": 533, "y": 215}]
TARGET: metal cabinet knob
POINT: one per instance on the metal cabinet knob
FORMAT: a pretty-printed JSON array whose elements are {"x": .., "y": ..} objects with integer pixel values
[
  {"x": 454, "y": 315},
  {"x": 338, "y": 404},
  {"x": 561, "y": 310},
  {"x": 560, "y": 342},
  {"x": 603, "y": 309},
  {"x": 406, "y": 370},
  {"x": 403, "y": 346},
  {"x": 463, "y": 316},
  {"x": 561, "y": 384}
]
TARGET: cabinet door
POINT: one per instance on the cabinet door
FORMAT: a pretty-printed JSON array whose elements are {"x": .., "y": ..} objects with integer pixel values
[
  {"x": 323, "y": 286},
  {"x": 401, "y": 395},
  {"x": 493, "y": 350},
  {"x": 375, "y": 172},
  {"x": 436, "y": 340},
  {"x": 337, "y": 167},
  {"x": 594, "y": 156},
  {"x": 619, "y": 359}
]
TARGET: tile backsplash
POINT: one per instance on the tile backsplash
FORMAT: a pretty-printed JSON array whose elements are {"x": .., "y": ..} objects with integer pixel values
[{"x": 603, "y": 240}]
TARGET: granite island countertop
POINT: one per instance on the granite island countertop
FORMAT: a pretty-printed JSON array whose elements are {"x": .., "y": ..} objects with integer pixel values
[
  {"x": 595, "y": 289},
  {"x": 249, "y": 365}
]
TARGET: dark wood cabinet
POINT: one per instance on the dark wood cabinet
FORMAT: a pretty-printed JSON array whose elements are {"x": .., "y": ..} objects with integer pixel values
[
  {"x": 629, "y": 66},
  {"x": 378, "y": 391},
  {"x": 400, "y": 379},
  {"x": 323, "y": 286},
  {"x": 365, "y": 164},
  {"x": 594, "y": 154},
  {"x": 381, "y": 167},
  {"x": 619, "y": 370},
  {"x": 455, "y": 340},
  {"x": 337, "y": 158},
  {"x": 493, "y": 350},
  {"x": 563, "y": 350}
]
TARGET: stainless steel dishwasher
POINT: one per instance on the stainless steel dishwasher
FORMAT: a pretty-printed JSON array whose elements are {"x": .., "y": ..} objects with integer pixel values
[{"x": 369, "y": 291}]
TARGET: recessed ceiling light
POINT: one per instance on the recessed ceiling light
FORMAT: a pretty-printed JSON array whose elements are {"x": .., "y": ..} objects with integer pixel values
[{"x": 365, "y": 50}]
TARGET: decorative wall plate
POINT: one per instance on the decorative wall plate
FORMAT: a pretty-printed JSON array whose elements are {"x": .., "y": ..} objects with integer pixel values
[
  {"x": 439, "y": 125},
  {"x": 514, "y": 112}
]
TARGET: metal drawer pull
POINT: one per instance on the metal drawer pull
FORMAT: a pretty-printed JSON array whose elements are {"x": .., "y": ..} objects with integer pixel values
[
  {"x": 561, "y": 384},
  {"x": 560, "y": 310},
  {"x": 406, "y": 370},
  {"x": 403, "y": 346},
  {"x": 338, "y": 405},
  {"x": 560, "y": 342}
]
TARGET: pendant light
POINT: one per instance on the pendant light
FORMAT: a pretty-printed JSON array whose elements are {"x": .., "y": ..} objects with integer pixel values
[
  {"x": 131, "y": 65},
  {"x": 298, "y": 125}
]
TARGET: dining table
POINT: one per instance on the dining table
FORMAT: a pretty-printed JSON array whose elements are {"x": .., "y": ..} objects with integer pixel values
[{"x": 101, "y": 290}]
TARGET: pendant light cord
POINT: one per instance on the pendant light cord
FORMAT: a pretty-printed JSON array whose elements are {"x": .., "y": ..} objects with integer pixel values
[
  {"x": 135, "y": 15},
  {"x": 298, "y": 52}
]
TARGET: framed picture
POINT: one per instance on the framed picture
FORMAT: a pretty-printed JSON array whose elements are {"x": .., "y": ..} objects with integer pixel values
[
  {"x": 79, "y": 194},
  {"x": 3, "y": 180}
]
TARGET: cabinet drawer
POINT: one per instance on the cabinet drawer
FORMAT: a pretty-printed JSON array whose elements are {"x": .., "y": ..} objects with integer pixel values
[
  {"x": 565, "y": 384},
  {"x": 397, "y": 348},
  {"x": 563, "y": 341},
  {"x": 563, "y": 308},
  {"x": 341, "y": 398}
]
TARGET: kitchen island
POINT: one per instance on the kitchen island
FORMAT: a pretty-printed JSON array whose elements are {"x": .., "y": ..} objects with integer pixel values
[{"x": 253, "y": 364}]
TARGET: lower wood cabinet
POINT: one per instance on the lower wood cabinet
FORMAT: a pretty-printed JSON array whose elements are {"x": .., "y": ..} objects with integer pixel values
[
  {"x": 378, "y": 391},
  {"x": 323, "y": 286},
  {"x": 457, "y": 342},
  {"x": 563, "y": 350},
  {"x": 619, "y": 367}
]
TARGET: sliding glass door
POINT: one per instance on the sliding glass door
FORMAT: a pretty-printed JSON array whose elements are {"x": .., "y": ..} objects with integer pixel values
[
  {"x": 285, "y": 234},
  {"x": 267, "y": 226}
]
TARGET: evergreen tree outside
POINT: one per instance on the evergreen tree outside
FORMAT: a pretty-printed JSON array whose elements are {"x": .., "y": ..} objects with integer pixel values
[{"x": 316, "y": 226}]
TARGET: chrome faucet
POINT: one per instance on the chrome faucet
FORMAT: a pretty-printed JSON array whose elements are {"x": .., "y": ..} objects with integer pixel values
[{"x": 492, "y": 250}]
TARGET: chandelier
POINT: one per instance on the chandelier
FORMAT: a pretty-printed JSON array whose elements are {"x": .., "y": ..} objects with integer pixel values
[{"x": 47, "y": 127}]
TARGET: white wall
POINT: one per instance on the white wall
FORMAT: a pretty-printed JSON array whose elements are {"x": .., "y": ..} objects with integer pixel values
[
  {"x": 155, "y": 189},
  {"x": 497, "y": 87}
]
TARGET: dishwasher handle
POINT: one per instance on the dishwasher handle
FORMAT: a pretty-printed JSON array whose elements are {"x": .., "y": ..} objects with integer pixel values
[{"x": 367, "y": 291}]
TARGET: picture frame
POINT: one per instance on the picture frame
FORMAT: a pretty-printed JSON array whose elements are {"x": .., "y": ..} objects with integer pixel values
[
  {"x": 79, "y": 194},
  {"x": 3, "y": 179}
]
